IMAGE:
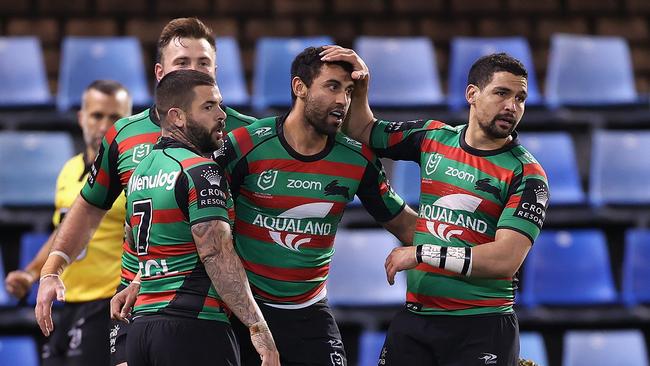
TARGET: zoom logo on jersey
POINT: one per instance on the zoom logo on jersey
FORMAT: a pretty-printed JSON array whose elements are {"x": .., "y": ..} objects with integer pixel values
[
  {"x": 333, "y": 188},
  {"x": 140, "y": 152},
  {"x": 140, "y": 182},
  {"x": 432, "y": 163},
  {"x": 404, "y": 125},
  {"x": 445, "y": 212},
  {"x": 304, "y": 184},
  {"x": 460, "y": 174},
  {"x": 266, "y": 179},
  {"x": 294, "y": 221},
  {"x": 534, "y": 201},
  {"x": 262, "y": 131}
]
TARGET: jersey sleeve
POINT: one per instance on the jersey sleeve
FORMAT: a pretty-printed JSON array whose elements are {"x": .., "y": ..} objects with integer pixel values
[
  {"x": 525, "y": 210},
  {"x": 206, "y": 193},
  {"x": 376, "y": 194},
  {"x": 400, "y": 140},
  {"x": 103, "y": 185}
]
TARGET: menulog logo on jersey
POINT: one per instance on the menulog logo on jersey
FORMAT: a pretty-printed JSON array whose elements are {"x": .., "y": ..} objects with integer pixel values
[
  {"x": 140, "y": 182},
  {"x": 449, "y": 210},
  {"x": 295, "y": 221}
]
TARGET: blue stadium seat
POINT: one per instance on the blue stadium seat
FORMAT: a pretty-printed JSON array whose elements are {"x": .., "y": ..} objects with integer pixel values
[
  {"x": 532, "y": 348},
  {"x": 5, "y": 298},
  {"x": 405, "y": 179},
  {"x": 272, "y": 75},
  {"x": 404, "y": 71},
  {"x": 636, "y": 271},
  {"x": 230, "y": 74},
  {"x": 23, "y": 81},
  {"x": 355, "y": 282},
  {"x": 568, "y": 268},
  {"x": 556, "y": 153},
  {"x": 86, "y": 59},
  {"x": 370, "y": 345},
  {"x": 589, "y": 71},
  {"x": 619, "y": 168},
  {"x": 466, "y": 50},
  {"x": 611, "y": 348},
  {"x": 31, "y": 162},
  {"x": 30, "y": 244},
  {"x": 18, "y": 351}
]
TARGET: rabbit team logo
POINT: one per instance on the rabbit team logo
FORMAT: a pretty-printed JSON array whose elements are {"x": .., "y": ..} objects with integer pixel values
[{"x": 447, "y": 217}]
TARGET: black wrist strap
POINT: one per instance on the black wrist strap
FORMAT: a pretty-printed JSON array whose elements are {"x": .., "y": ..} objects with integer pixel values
[{"x": 418, "y": 253}]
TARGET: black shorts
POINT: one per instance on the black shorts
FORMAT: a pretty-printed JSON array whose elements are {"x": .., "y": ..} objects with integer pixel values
[
  {"x": 436, "y": 340},
  {"x": 81, "y": 335},
  {"x": 117, "y": 338},
  {"x": 161, "y": 340},
  {"x": 307, "y": 336}
]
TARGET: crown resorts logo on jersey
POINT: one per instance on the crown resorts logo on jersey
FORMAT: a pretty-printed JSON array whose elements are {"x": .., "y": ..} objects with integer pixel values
[
  {"x": 140, "y": 152},
  {"x": 446, "y": 211},
  {"x": 432, "y": 163},
  {"x": 211, "y": 176},
  {"x": 141, "y": 182},
  {"x": 295, "y": 221},
  {"x": 266, "y": 179},
  {"x": 207, "y": 183},
  {"x": 534, "y": 201},
  {"x": 262, "y": 131}
]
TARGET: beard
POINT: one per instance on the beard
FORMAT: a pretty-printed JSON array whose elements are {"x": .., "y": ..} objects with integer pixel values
[
  {"x": 492, "y": 130},
  {"x": 202, "y": 137},
  {"x": 317, "y": 115}
]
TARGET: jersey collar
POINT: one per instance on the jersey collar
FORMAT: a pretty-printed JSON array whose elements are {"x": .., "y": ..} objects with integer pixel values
[
  {"x": 507, "y": 147},
  {"x": 279, "y": 127}
]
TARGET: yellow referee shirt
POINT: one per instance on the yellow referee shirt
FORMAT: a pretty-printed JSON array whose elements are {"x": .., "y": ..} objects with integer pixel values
[{"x": 95, "y": 274}]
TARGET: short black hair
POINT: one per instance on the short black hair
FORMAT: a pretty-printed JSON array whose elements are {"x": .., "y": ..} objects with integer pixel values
[
  {"x": 176, "y": 90},
  {"x": 484, "y": 68},
  {"x": 307, "y": 66},
  {"x": 108, "y": 87}
]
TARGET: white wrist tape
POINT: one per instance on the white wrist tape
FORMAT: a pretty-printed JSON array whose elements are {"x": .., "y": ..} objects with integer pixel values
[
  {"x": 61, "y": 254},
  {"x": 453, "y": 259}
]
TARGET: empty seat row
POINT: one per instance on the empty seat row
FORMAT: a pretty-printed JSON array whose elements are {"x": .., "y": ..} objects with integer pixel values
[
  {"x": 618, "y": 171},
  {"x": 582, "y": 70}
]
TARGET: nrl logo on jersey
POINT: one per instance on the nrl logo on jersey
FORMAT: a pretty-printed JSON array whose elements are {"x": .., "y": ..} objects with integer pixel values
[
  {"x": 293, "y": 222},
  {"x": 140, "y": 152},
  {"x": 432, "y": 163},
  {"x": 262, "y": 131},
  {"x": 266, "y": 179},
  {"x": 444, "y": 213}
]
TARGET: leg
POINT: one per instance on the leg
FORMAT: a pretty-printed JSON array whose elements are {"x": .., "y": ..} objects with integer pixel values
[
  {"x": 408, "y": 342},
  {"x": 89, "y": 341}
]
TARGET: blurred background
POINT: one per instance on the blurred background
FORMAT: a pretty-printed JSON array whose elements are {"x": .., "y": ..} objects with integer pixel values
[{"x": 584, "y": 289}]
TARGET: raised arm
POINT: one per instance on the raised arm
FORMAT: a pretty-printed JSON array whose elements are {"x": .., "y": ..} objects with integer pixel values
[
  {"x": 403, "y": 225},
  {"x": 73, "y": 235},
  {"x": 360, "y": 119},
  {"x": 214, "y": 244},
  {"x": 497, "y": 259}
]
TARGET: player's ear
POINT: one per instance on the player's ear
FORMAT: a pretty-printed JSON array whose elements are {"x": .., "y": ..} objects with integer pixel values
[
  {"x": 158, "y": 71},
  {"x": 299, "y": 88},
  {"x": 471, "y": 92},
  {"x": 176, "y": 117}
]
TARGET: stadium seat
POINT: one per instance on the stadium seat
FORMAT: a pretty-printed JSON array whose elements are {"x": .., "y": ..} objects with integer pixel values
[
  {"x": 356, "y": 282},
  {"x": 23, "y": 81},
  {"x": 405, "y": 179},
  {"x": 230, "y": 74},
  {"x": 466, "y": 50},
  {"x": 636, "y": 272},
  {"x": 404, "y": 71},
  {"x": 556, "y": 153},
  {"x": 589, "y": 71},
  {"x": 31, "y": 162},
  {"x": 30, "y": 244},
  {"x": 532, "y": 348},
  {"x": 86, "y": 59},
  {"x": 18, "y": 351},
  {"x": 370, "y": 345},
  {"x": 272, "y": 75},
  {"x": 567, "y": 268},
  {"x": 619, "y": 169},
  {"x": 611, "y": 348}
]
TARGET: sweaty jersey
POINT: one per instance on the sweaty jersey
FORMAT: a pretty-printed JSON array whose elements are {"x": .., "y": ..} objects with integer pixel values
[
  {"x": 466, "y": 196},
  {"x": 95, "y": 273},
  {"x": 288, "y": 207},
  {"x": 124, "y": 146},
  {"x": 172, "y": 189}
]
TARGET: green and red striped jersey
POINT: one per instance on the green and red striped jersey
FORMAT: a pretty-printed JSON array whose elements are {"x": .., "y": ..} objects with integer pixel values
[
  {"x": 288, "y": 207},
  {"x": 466, "y": 196},
  {"x": 173, "y": 188},
  {"x": 123, "y": 147}
]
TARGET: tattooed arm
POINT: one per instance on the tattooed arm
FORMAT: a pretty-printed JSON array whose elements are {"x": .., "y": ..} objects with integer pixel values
[{"x": 214, "y": 244}]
